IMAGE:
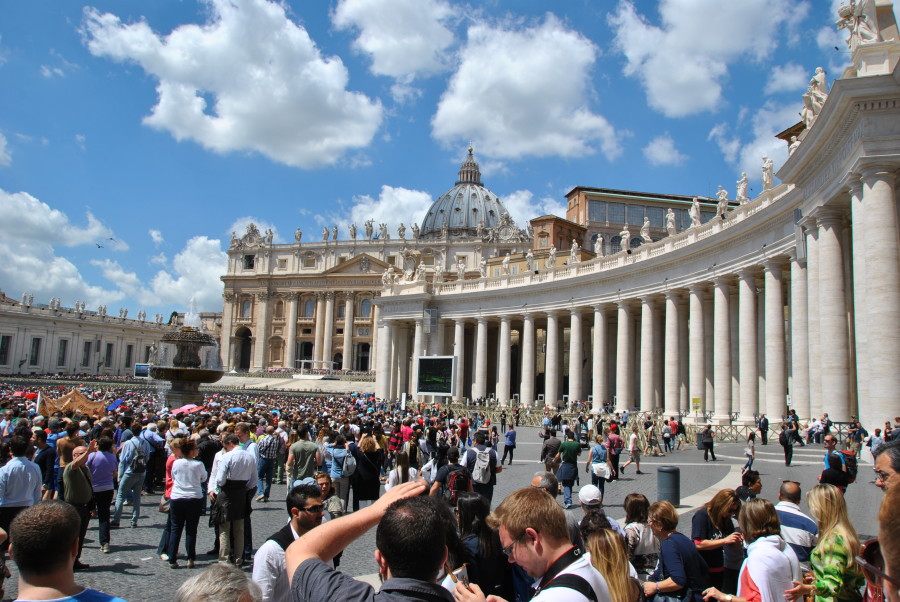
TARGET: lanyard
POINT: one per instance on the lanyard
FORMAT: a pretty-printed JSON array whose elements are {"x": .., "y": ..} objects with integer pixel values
[{"x": 557, "y": 567}]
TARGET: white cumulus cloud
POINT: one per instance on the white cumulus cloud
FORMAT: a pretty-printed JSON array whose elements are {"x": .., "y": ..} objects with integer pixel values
[
  {"x": 662, "y": 151},
  {"x": 787, "y": 78},
  {"x": 5, "y": 153},
  {"x": 523, "y": 206},
  {"x": 394, "y": 205},
  {"x": 249, "y": 79},
  {"x": 683, "y": 62},
  {"x": 157, "y": 237},
  {"x": 240, "y": 225},
  {"x": 404, "y": 38},
  {"x": 524, "y": 91}
]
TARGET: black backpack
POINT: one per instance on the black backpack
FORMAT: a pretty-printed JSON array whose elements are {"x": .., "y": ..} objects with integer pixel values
[
  {"x": 782, "y": 438},
  {"x": 139, "y": 460},
  {"x": 458, "y": 480}
]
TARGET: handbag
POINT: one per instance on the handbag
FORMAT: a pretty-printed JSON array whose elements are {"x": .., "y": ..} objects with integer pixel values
[
  {"x": 601, "y": 470},
  {"x": 163, "y": 505}
]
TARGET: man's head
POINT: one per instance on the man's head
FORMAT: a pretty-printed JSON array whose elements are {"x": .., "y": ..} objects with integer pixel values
[
  {"x": 19, "y": 445},
  {"x": 590, "y": 496},
  {"x": 242, "y": 430},
  {"x": 889, "y": 538},
  {"x": 546, "y": 481},
  {"x": 790, "y": 492},
  {"x": 305, "y": 507},
  {"x": 830, "y": 442},
  {"x": 887, "y": 465},
  {"x": 453, "y": 455},
  {"x": 532, "y": 528},
  {"x": 411, "y": 539},
  {"x": 230, "y": 441},
  {"x": 480, "y": 438},
  {"x": 752, "y": 480},
  {"x": 44, "y": 538},
  {"x": 79, "y": 451},
  {"x": 219, "y": 583}
]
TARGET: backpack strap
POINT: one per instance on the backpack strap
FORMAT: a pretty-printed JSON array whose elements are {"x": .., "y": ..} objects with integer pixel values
[{"x": 573, "y": 582}]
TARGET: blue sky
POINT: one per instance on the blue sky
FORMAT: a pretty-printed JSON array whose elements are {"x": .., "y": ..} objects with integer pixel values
[{"x": 136, "y": 136}]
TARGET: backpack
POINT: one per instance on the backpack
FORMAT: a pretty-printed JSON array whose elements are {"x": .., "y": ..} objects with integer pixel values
[
  {"x": 457, "y": 481},
  {"x": 139, "y": 460},
  {"x": 349, "y": 465},
  {"x": 573, "y": 582},
  {"x": 782, "y": 438},
  {"x": 481, "y": 471},
  {"x": 851, "y": 465}
]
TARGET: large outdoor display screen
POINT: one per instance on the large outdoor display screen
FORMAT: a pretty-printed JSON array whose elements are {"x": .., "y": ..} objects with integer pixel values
[{"x": 436, "y": 375}]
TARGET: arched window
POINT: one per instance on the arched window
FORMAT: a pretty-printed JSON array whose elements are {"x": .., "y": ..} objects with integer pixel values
[
  {"x": 246, "y": 308},
  {"x": 309, "y": 308},
  {"x": 365, "y": 308},
  {"x": 615, "y": 244},
  {"x": 636, "y": 241},
  {"x": 279, "y": 310},
  {"x": 340, "y": 310}
]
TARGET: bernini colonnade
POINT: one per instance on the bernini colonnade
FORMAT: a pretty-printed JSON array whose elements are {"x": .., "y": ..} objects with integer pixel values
[{"x": 792, "y": 297}]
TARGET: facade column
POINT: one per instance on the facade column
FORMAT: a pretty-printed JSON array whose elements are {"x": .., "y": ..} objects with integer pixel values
[
  {"x": 290, "y": 354},
  {"x": 383, "y": 368},
  {"x": 722, "y": 350},
  {"x": 747, "y": 356},
  {"x": 672, "y": 362},
  {"x": 859, "y": 284},
  {"x": 262, "y": 330},
  {"x": 648, "y": 353},
  {"x": 226, "y": 347},
  {"x": 697, "y": 352},
  {"x": 816, "y": 405},
  {"x": 320, "y": 329},
  {"x": 883, "y": 294},
  {"x": 526, "y": 390},
  {"x": 373, "y": 348},
  {"x": 459, "y": 350},
  {"x": 684, "y": 356},
  {"x": 403, "y": 354},
  {"x": 624, "y": 359},
  {"x": 414, "y": 355},
  {"x": 599, "y": 370},
  {"x": 576, "y": 350},
  {"x": 776, "y": 387},
  {"x": 348, "y": 333},
  {"x": 503, "y": 372},
  {"x": 551, "y": 361},
  {"x": 799, "y": 341},
  {"x": 479, "y": 389},
  {"x": 835, "y": 354},
  {"x": 329, "y": 330}
]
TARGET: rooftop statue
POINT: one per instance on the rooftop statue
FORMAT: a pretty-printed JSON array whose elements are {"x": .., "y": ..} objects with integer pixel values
[
  {"x": 598, "y": 246},
  {"x": 645, "y": 231},
  {"x": 298, "y": 235},
  {"x": 370, "y": 228},
  {"x": 506, "y": 265},
  {"x": 352, "y": 231},
  {"x": 551, "y": 258},
  {"x": 768, "y": 177},
  {"x": 625, "y": 235},
  {"x": 742, "y": 185},
  {"x": 670, "y": 222},
  {"x": 722, "y": 205},
  {"x": 861, "y": 22},
  {"x": 401, "y": 231},
  {"x": 695, "y": 213}
]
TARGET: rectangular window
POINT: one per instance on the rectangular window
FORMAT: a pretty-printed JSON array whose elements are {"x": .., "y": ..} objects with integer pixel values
[
  {"x": 341, "y": 260},
  {"x": 597, "y": 211},
  {"x": 109, "y": 351},
  {"x": 276, "y": 354},
  {"x": 428, "y": 259},
  {"x": 34, "y": 357},
  {"x": 129, "y": 353},
  {"x": 615, "y": 213},
  {"x": 5, "y": 344},
  {"x": 682, "y": 219},
  {"x": 657, "y": 216},
  {"x": 340, "y": 331},
  {"x": 282, "y": 264},
  {"x": 306, "y": 331},
  {"x": 249, "y": 262},
  {"x": 636, "y": 215},
  {"x": 309, "y": 263},
  {"x": 86, "y": 354},
  {"x": 542, "y": 242},
  {"x": 147, "y": 354},
  {"x": 392, "y": 260},
  {"x": 495, "y": 271},
  {"x": 61, "y": 352}
]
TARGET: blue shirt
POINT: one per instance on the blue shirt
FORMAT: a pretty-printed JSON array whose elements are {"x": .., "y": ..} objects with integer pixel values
[
  {"x": 337, "y": 461},
  {"x": 510, "y": 438},
  {"x": 20, "y": 483},
  {"x": 88, "y": 595},
  {"x": 127, "y": 454}
]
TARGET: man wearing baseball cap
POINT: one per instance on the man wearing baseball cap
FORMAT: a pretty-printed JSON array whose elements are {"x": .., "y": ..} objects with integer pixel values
[{"x": 592, "y": 501}]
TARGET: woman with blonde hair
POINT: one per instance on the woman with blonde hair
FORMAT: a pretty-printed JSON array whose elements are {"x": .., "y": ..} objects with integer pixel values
[
  {"x": 712, "y": 529},
  {"x": 609, "y": 556},
  {"x": 837, "y": 577}
]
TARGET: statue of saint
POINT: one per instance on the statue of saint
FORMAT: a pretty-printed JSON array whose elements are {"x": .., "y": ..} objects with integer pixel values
[
  {"x": 445, "y": 231},
  {"x": 529, "y": 261},
  {"x": 298, "y": 235},
  {"x": 506, "y": 265},
  {"x": 793, "y": 146},
  {"x": 269, "y": 236},
  {"x": 670, "y": 222},
  {"x": 415, "y": 231},
  {"x": 742, "y": 185},
  {"x": 461, "y": 269},
  {"x": 439, "y": 272},
  {"x": 722, "y": 205},
  {"x": 383, "y": 231},
  {"x": 387, "y": 277},
  {"x": 401, "y": 231},
  {"x": 768, "y": 177},
  {"x": 420, "y": 273},
  {"x": 695, "y": 213},
  {"x": 370, "y": 227},
  {"x": 598, "y": 246},
  {"x": 625, "y": 235},
  {"x": 551, "y": 258},
  {"x": 645, "y": 230},
  {"x": 574, "y": 255},
  {"x": 482, "y": 267},
  {"x": 324, "y": 233},
  {"x": 352, "y": 231},
  {"x": 479, "y": 229},
  {"x": 334, "y": 232},
  {"x": 860, "y": 20}
]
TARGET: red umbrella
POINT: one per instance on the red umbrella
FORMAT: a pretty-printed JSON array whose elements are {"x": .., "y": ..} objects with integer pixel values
[
  {"x": 31, "y": 396},
  {"x": 19, "y": 394}
]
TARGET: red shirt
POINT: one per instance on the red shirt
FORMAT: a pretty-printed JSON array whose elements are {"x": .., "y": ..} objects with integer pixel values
[{"x": 169, "y": 482}]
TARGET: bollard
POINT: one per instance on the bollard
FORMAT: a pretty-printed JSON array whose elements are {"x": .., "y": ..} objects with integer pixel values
[{"x": 668, "y": 484}]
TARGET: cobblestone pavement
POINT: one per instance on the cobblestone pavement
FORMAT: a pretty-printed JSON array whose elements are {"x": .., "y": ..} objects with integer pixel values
[{"x": 134, "y": 571}]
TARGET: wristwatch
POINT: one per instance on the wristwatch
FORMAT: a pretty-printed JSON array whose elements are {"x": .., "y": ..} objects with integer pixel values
[{"x": 729, "y": 598}]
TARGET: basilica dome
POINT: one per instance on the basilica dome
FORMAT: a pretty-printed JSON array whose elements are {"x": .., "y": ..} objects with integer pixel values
[{"x": 468, "y": 209}]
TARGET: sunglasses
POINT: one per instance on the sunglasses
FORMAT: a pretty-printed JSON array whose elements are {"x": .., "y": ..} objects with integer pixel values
[{"x": 318, "y": 509}]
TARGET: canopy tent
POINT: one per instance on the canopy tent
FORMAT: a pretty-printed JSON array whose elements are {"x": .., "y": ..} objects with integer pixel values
[{"x": 72, "y": 401}]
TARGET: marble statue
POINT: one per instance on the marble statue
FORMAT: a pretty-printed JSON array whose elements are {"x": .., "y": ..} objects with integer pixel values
[
  {"x": 415, "y": 231},
  {"x": 324, "y": 233},
  {"x": 460, "y": 269},
  {"x": 479, "y": 229},
  {"x": 742, "y": 185},
  {"x": 387, "y": 277},
  {"x": 598, "y": 246},
  {"x": 695, "y": 213},
  {"x": 401, "y": 231},
  {"x": 670, "y": 222},
  {"x": 768, "y": 177},
  {"x": 722, "y": 205},
  {"x": 860, "y": 21},
  {"x": 482, "y": 268},
  {"x": 793, "y": 145},
  {"x": 574, "y": 255},
  {"x": 298, "y": 235},
  {"x": 383, "y": 231},
  {"x": 234, "y": 239},
  {"x": 551, "y": 258},
  {"x": 445, "y": 230},
  {"x": 625, "y": 235},
  {"x": 370, "y": 227},
  {"x": 439, "y": 272},
  {"x": 334, "y": 232},
  {"x": 352, "y": 230},
  {"x": 529, "y": 230},
  {"x": 506, "y": 265},
  {"x": 269, "y": 236},
  {"x": 645, "y": 231},
  {"x": 529, "y": 261},
  {"x": 420, "y": 273}
]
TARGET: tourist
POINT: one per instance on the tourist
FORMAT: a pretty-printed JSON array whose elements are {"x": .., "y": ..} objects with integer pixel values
[
  {"x": 186, "y": 500},
  {"x": 606, "y": 550},
  {"x": 133, "y": 456},
  {"x": 304, "y": 456},
  {"x": 338, "y": 453},
  {"x": 682, "y": 573},
  {"x": 509, "y": 443},
  {"x": 489, "y": 568},
  {"x": 549, "y": 449},
  {"x": 889, "y": 537},
  {"x": 887, "y": 465},
  {"x": 270, "y": 447},
  {"x": 219, "y": 583},
  {"x": 567, "y": 458},
  {"x": 750, "y": 487},
  {"x": 402, "y": 472},
  {"x": 591, "y": 500},
  {"x": 236, "y": 475},
  {"x": 20, "y": 484},
  {"x": 103, "y": 465},
  {"x": 797, "y": 529},
  {"x": 162, "y": 549},
  {"x": 712, "y": 530},
  {"x": 641, "y": 544},
  {"x": 483, "y": 466},
  {"x": 750, "y": 451},
  {"x": 369, "y": 462},
  {"x": 836, "y": 574},
  {"x": 634, "y": 452},
  {"x": 707, "y": 439},
  {"x": 334, "y": 507},
  {"x": 614, "y": 445},
  {"x": 598, "y": 464}
]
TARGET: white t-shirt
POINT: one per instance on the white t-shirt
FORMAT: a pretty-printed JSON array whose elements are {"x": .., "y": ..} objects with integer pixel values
[
  {"x": 187, "y": 479},
  {"x": 632, "y": 442},
  {"x": 394, "y": 477},
  {"x": 583, "y": 568}
]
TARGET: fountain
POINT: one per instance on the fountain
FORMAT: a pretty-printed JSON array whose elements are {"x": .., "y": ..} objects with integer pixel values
[{"x": 187, "y": 357}]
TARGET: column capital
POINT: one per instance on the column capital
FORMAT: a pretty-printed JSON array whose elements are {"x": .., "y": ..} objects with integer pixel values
[
  {"x": 505, "y": 319},
  {"x": 481, "y": 319},
  {"x": 673, "y": 294},
  {"x": 699, "y": 288},
  {"x": 854, "y": 184},
  {"x": 648, "y": 299},
  {"x": 886, "y": 171},
  {"x": 748, "y": 273},
  {"x": 827, "y": 217},
  {"x": 773, "y": 265},
  {"x": 723, "y": 280}
]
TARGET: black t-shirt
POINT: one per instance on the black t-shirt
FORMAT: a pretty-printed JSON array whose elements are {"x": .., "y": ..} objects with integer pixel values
[{"x": 703, "y": 528}]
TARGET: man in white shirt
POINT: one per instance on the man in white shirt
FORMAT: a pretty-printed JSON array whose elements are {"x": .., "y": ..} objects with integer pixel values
[
  {"x": 305, "y": 507},
  {"x": 236, "y": 479}
]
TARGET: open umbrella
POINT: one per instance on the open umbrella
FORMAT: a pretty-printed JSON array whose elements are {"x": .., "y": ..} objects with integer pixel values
[
  {"x": 19, "y": 394},
  {"x": 195, "y": 410},
  {"x": 236, "y": 410},
  {"x": 115, "y": 404},
  {"x": 31, "y": 396}
]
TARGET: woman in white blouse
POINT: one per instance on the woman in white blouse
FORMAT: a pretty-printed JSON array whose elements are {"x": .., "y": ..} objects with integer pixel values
[
  {"x": 401, "y": 473},
  {"x": 186, "y": 502}
]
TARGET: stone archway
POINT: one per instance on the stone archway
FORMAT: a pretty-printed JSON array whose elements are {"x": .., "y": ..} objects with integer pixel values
[{"x": 244, "y": 348}]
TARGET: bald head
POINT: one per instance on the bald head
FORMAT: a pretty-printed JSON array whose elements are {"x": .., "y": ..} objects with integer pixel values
[{"x": 789, "y": 492}]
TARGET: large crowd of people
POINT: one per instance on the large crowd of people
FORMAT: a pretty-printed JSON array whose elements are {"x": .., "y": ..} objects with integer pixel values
[{"x": 426, "y": 478}]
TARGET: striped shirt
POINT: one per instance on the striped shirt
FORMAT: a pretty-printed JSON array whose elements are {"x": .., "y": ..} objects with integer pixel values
[{"x": 798, "y": 530}]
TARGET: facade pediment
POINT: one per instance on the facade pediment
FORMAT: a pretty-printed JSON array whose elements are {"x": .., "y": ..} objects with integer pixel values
[{"x": 360, "y": 264}]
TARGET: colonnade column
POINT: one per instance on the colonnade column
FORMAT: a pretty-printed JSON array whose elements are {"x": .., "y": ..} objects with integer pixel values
[
  {"x": 459, "y": 350},
  {"x": 576, "y": 351},
  {"x": 776, "y": 388},
  {"x": 748, "y": 368},
  {"x": 799, "y": 340},
  {"x": 503, "y": 372},
  {"x": 373, "y": 348},
  {"x": 262, "y": 337},
  {"x": 684, "y": 363},
  {"x": 348, "y": 333},
  {"x": 227, "y": 349},
  {"x": 479, "y": 388},
  {"x": 599, "y": 386},
  {"x": 648, "y": 353},
  {"x": 290, "y": 354},
  {"x": 722, "y": 350},
  {"x": 320, "y": 328},
  {"x": 414, "y": 355},
  {"x": 883, "y": 293},
  {"x": 624, "y": 359},
  {"x": 402, "y": 355},
  {"x": 383, "y": 369},
  {"x": 816, "y": 406},
  {"x": 329, "y": 330},
  {"x": 672, "y": 363},
  {"x": 835, "y": 354},
  {"x": 697, "y": 351},
  {"x": 860, "y": 318},
  {"x": 551, "y": 360},
  {"x": 526, "y": 390}
]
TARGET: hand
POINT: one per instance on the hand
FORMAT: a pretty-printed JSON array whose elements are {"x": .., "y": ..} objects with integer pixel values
[
  {"x": 712, "y": 593},
  {"x": 733, "y": 538},
  {"x": 798, "y": 591},
  {"x": 649, "y": 588},
  {"x": 400, "y": 492},
  {"x": 92, "y": 447},
  {"x": 470, "y": 593}
]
